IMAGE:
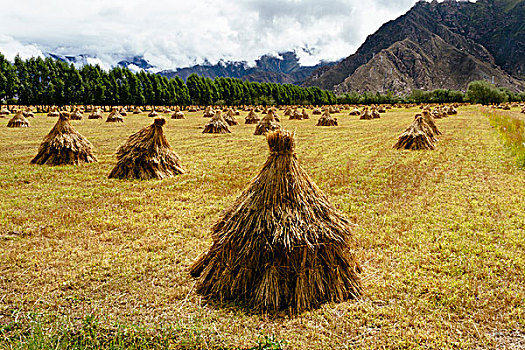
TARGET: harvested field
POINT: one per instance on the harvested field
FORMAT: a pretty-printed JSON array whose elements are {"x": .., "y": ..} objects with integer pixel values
[{"x": 440, "y": 237}]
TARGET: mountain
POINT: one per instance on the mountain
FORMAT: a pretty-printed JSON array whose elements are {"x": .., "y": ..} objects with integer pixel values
[
  {"x": 283, "y": 68},
  {"x": 136, "y": 64},
  {"x": 437, "y": 45}
]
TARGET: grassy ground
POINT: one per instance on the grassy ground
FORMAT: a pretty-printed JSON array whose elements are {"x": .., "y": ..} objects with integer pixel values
[{"x": 96, "y": 262}]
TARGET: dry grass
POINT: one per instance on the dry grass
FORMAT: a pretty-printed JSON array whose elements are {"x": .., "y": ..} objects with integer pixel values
[{"x": 440, "y": 235}]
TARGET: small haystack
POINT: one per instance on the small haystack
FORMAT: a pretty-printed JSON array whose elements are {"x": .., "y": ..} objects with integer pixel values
[
  {"x": 96, "y": 114},
  {"x": 317, "y": 111},
  {"x": 123, "y": 112},
  {"x": 137, "y": 110},
  {"x": 114, "y": 116},
  {"x": 28, "y": 113},
  {"x": 366, "y": 115},
  {"x": 4, "y": 112},
  {"x": 230, "y": 118},
  {"x": 252, "y": 118},
  {"x": 375, "y": 114},
  {"x": 208, "y": 112},
  {"x": 53, "y": 112},
  {"x": 217, "y": 125},
  {"x": 327, "y": 120},
  {"x": 355, "y": 111},
  {"x": 267, "y": 123},
  {"x": 147, "y": 155},
  {"x": 415, "y": 137},
  {"x": 296, "y": 115},
  {"x": 178, "y": 115},
  {"x": 18, "y": 121},
  {"x": 64, "y": 145},
  {"x": 77, "y": 115},
  {"x": 281, "y": 245},
  {"x": 153, "y": 113},
  {"x": 305, "y": 114}
]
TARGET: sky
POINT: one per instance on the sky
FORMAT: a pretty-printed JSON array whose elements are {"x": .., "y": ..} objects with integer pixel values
[{"x": 175, "y": 33}]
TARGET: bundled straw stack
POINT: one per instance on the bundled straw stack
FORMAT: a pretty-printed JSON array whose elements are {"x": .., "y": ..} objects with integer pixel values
[
  {"x": 230, "y": 118},
  {"x": 417, "y": 136},
  {"x": 281, "y": 245},
  {"x": 153, "y": 113},
  {"x": 252, "y": 118},
  {"x": 18, "y": 121},
  {"x": 217, "y": 125},
  {"x": 4, "y": 112},
  {"x": 53, "y": 112},
  {"x": 77, "y": 115},
  {"x": 114, "y": 116},
  {"x": 267, "y": 123},
  {"x": 64, "y": 145},
  {"x": 178, "y": 115},
  {"x": 96, "y": 114},
  {"x": 147, "y": 155},
  {"x": 366, "y": 115},
  {"x": 327, "y": 120},
  {"x": 137, "y": 110}
]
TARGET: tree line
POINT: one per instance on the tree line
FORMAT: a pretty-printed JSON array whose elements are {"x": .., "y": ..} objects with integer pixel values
[
  {"x": 479, "y": 91},
  {"x": 46, "y": 81}
]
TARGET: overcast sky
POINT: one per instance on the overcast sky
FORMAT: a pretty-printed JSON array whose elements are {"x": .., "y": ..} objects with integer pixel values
[{"x": 175, "y": 33}]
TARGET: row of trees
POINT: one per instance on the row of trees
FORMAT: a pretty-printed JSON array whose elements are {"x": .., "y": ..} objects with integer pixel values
[
  {"x": 38, "y": 81},
  {"x": 478, "y": 92}
]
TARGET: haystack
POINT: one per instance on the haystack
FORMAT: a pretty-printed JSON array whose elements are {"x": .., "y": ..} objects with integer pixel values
[
  {"x": 4, "y": 112},
  {"x": 281, "y": 245},
  {"x": 305, "y": 114},
  {"x": 178, "y": 115},
  {"x": 147, "y": 155},
  {"x": 217, "y": 125},
  {"x": 28, "y": 113},
  {"x": 366, "y": 115},
  {"x": 64, "y": 145},
  {"x": 153, "y": 113},
  {"x": 230, "y": 118},
  {"x": 415, "y": 137},
  {"x": 375, "y": 114},
  {"x": 77, "y": 115},
  {"x": 208, "y": 112},
  {"x": 114, "y": 116},
  {"x": 267, "y": 123},
  {"x": 429, "y": 120},
  {"x": 137, "y": 110},
  {"x": 354, "y": 111},
  {"x": 53, "y": 112},
  {"x": 252, "y": 118},
  {"x": 327, "y": 120},
  {"x": 18, "y": 121},
  {"x": 123, "y": 112},
  {"x": 296, "y": 115},
  {"x": 96, "y": 114},
  {"x": 317, "y": 111}
]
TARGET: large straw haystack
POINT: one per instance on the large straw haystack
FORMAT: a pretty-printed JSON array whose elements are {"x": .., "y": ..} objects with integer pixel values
[
  {"x": 252, "y": 118},
  {"x": 267, "y": 123},
  {"x": 327, "y": 120},
  {"x": 281, "y": 245},
  {"x": 114, "y": 116},
  {"x": 147, "y": 155},
  {"x": 416, "y": 136},
  {"x": 429, "y": 120},
  {"x": 217, "y": 125},
  {"x": 18, "y": 121},
  {"x": 64, "y": 145}
]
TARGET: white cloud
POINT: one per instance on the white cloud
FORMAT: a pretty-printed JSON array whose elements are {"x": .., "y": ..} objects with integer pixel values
[{"x": 178, "y": 33}]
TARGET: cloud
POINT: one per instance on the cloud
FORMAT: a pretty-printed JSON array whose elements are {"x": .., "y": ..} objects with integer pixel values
[{"x": 174, "y": 34}]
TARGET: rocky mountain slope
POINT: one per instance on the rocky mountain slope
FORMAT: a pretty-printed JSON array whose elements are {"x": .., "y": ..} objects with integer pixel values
[{"x": 437, "y": 45}]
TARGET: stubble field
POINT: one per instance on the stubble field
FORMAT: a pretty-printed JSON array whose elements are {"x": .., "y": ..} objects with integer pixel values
[{"x": 97, "y": 262}]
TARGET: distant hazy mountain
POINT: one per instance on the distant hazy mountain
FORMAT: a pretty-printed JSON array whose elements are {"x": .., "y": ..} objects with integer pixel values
[
  {"x": 437, "y": 45},
  {"x": 284, "y": 68}
]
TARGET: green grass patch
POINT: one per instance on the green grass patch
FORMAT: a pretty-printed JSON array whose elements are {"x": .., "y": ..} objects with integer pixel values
[{"x": 512, "y": 131}]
